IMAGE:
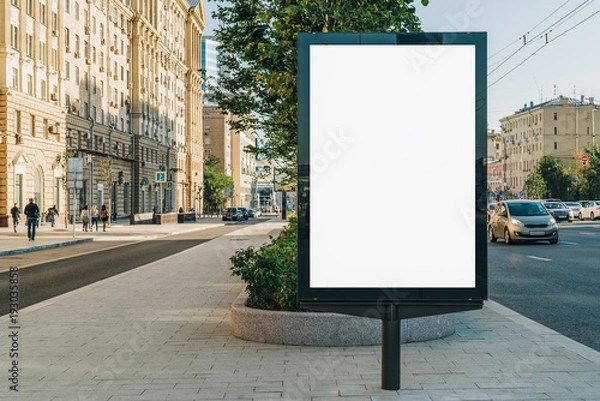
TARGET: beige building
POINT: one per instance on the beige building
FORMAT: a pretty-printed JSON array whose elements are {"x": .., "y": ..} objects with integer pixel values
[
  {"x": 113, "y": 82},
  {"x": 229, "y": 147},
  {"x": 562, "y": 127}
]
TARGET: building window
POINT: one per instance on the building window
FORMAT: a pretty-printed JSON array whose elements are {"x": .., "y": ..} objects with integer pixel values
[
  {"x": 54, "y": 21},
  {"x": 555, "y": 131},
  {"x": 555, "y": 116},
  {"x": 45, "y": 127},
  {"x": 68, "y": 6},
  {"x": 17, "y": 121},
  {"x": 15, "y": 77},
  {"x": 42, "y": 55},
  {"x": 29, "y": 45},
  {"x": 43, "y": 14},
  {"x": 68, "y": 39},
  {"x": 32, "y": 124},
  {"x": 14, "y": 37},
  {"x": 555, "y": 145},
  {"x": 14, "y": 3},
  {"x": 54, "y": 58},
  {"x": 19, "y": 190},
  {"x": 43, "y": 89},
  {"x": 29, "y": 84}
]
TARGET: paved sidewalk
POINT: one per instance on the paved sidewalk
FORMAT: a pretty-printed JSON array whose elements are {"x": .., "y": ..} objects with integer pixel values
[
  {"x": 48, "y": 237},
  {"x": 162, "y": 332}
]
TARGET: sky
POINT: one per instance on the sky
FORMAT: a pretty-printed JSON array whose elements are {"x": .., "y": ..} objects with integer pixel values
[{"x": 559, "y": 56}]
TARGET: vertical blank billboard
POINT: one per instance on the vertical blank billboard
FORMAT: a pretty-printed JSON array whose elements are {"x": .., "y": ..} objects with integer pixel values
[{"x": 392, "y": 150}]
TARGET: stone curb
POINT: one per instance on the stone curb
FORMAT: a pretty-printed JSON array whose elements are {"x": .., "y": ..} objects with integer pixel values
[
  {"x": 324, "y": 329},
  {"x": 35, "y": 248}
]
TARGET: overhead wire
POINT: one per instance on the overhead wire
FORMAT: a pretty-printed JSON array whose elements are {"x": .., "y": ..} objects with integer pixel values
[{"x": 544, "y": 34}]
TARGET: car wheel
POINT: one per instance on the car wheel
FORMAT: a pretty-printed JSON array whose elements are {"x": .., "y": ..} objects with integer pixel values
[
  {"x": 491, "y": 235},
  {"x": 554, "y": 240},
  {"x": 592, "y": 217},
  {"x": 580, "y": 216},
  {"x": 507, "y": 239}
]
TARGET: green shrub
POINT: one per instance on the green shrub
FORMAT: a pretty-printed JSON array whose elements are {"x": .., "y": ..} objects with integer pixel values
[{"x": 270, "y": 272}]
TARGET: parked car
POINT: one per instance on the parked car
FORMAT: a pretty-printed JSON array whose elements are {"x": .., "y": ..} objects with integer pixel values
[
  {"x": 559, "y": 211},
  {"x": 522, "y": 220},
  {"x": 575, "y": 207},
  {"x": 251, "y": 213},
  {"x": 257, "y": 212},
  {"x": 233, "y": 214},
  {"x": 244, "y": 212},
  {"x": 589, "y": 210}
]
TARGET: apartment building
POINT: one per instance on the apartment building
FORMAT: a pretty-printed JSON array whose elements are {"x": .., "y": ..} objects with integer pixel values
[
  {"x": 113, "y": 82},
  {"x": 230, "y": 147},
  {"x": 563, "y": 127}
]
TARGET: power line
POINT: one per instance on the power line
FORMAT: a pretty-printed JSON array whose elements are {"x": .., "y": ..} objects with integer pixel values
[
  {"x": 520, "y": 38},
  {"x": 549, "y": 29},
  {"x": 545, "y": 44}
]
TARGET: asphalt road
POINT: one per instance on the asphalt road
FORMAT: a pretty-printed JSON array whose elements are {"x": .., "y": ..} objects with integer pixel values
[
  {"x": 555, "y": 285},
  {"x": 89, "y": 264}
]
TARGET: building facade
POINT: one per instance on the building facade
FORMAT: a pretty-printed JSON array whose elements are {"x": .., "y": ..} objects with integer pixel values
[
  {"x": 230, "y": 147},
  {"x": 563, "y": 127},
  {"x": 113, "y": 83}
]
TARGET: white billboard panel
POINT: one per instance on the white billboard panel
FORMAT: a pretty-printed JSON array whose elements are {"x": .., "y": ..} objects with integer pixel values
[{"x": 392, "y": 172}]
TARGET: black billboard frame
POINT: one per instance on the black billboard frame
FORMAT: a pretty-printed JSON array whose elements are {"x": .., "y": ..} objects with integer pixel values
[{"x": 392, "y": 304}]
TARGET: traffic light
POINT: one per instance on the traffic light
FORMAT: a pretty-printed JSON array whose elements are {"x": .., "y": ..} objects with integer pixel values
[{"x": 121, "y": 177}]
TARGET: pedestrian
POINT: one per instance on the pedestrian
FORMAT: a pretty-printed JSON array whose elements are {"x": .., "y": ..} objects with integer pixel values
[
  {"x": 52, "y": 214},
  {"x": 85, "y": 218},
  {"x": 32, "y": 211},
  {"x": 94, "y": 218},
  {"x": 104, "y": 217},
  {"x": 16, "y": 216}
]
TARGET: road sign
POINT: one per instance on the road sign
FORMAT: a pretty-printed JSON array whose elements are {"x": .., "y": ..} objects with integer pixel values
[
  {"x": 584, "y": 159},
  {"x": 521, "y": 194},
  {"x": 160, "y": 176},
  {"x": 169, "y": 185}
]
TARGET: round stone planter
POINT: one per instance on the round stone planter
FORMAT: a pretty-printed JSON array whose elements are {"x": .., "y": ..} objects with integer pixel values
[{"x": 323, "y": 329}]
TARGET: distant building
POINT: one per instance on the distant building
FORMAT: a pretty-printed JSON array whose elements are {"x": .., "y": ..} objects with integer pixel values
[
  {"x": 563, "y": 127},
  {"x": 230, "y": 147},
  {"x": 210, "y": 64}
]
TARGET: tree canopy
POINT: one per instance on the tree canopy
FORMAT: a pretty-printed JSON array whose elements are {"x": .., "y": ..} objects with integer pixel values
[
  {"x": 258, "y": 51},
  {"x": 215, "y": 182},
  {"x": 554, "y": 178}
]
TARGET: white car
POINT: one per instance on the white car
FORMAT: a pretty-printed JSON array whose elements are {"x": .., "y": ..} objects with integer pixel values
[
  {"x": 575, "y": 207},
  {"x": 589, "y": 210}
]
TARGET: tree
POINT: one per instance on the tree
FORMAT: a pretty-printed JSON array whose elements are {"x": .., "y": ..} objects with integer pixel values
[
  {"x": 554, "y": 173},
  {"x": 215, "y": 182},
  {"x": 591, "y": 173},
  {"x": 535, "y": 186},
  {"x": 258, "y": 51}
]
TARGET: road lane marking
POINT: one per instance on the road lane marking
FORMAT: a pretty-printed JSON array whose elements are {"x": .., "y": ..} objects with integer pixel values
[{"x": 538, "y": 258}]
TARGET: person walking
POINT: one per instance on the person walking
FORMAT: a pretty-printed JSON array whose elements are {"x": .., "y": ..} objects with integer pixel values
[
  {"x": 53, "y": 213},
  {"x": 85, "y": 218},
  {"x": 94, "y": 218},
  {"x": 16, "y": 216},
  {"x": 104, "y": 217},
  {"x": 32, "y": 211}
]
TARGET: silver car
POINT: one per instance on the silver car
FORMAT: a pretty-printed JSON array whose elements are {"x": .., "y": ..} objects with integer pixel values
[{"x": 522, "y": 220}]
